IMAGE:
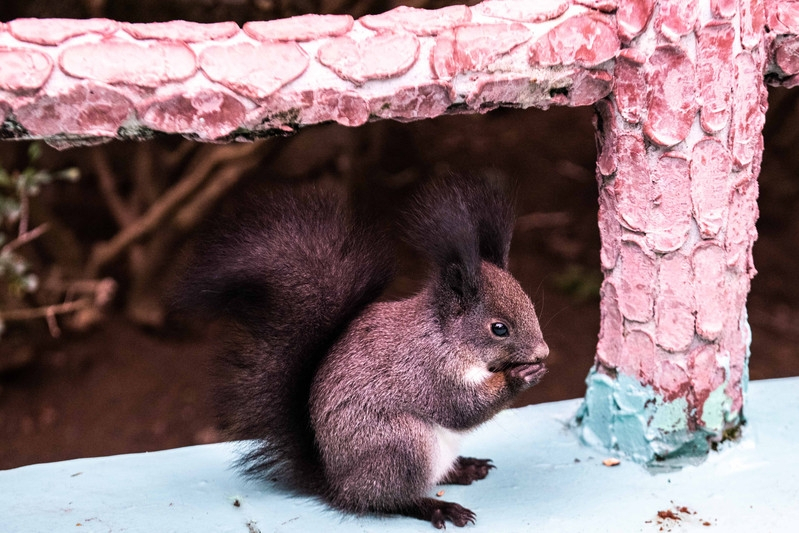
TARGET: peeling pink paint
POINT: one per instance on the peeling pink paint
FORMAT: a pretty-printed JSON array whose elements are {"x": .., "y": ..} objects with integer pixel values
[
  {"x": 749, "y": 109},
  {"x": 23, "y": 69},
  {"x": 706, "y": 374},
  {"x": 633, "y": 185},
  {"x": 123, "y": 62},
  {"x": 418, "y": 21},
  {"x": 606, "y": 138},
  {"x": 300, "y": 28},
  {"x": 724, "y": 9},
  {"x": 215, "y": 113},
  {"x": 636, "y": 298},
  {"x": 588, "y": 86},
  {"x": 580, "y": 40},
  {"x": 709, "y": 264},
  {"x": 732, "y": 340},
  {"x": 672, "y": 102},
  {"x": 786, "y": 55},
  {"x": 322, "y": 105},
  {"x": 671, "y": 377},
  {"x": 412, "y": 103},
  {"x": 56, "y": 31},
  {"x": 631, "y": 89},
  {"x": 255, "y": 71},
  {"x": 714, "y": 74},
  {"x": 786, "y": 15},
  {"x": 741, "y": 230},
  {"x": 606, "y": 6},
  {"x": 670, "y": 214},
  {"x": 181, "y": 30},
  {"x": 638, "y": 355},
  {"x": 611, "y": 330},
  {"x": 676, "y": 18},
  {"x": 711, "y": 165},
  {"x": 610, "y": 228},
  {"x": 83, "y": 109},
  {"x": 674, "y": 317},
  {"x": 382, "y": 56},
  {"x": 489, "y": 94},
  {"x": 474, "y": 47},
  {"x": 538, "y": 11},
  {"x": 632, "y": 17},
  {"x": 753, "y": 18}
]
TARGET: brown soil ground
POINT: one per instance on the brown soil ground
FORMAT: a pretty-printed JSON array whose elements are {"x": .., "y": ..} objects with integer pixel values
[{"x": 121, "y": 389}]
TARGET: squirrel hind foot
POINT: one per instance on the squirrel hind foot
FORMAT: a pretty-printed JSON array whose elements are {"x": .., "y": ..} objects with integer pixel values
[{"x": 439, "y": 512}]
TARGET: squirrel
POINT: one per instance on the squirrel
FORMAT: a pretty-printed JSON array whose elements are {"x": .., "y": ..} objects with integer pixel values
[{"x": 353, "y": 399}]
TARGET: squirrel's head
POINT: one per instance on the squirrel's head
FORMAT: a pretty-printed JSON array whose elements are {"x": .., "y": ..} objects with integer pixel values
[
  {"x": 464, "y": 225},
  {"x": 491, "y": 316}
]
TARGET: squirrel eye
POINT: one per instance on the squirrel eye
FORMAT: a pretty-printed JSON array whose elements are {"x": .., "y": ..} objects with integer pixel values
[{"x": 499, "y": 329}]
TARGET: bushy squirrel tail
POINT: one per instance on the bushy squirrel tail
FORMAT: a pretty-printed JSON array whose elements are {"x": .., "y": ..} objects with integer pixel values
[{"x": 288, "y": 274}]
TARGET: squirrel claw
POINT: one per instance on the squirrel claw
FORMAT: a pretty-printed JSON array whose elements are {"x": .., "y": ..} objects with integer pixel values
[
  {"x": 440, "y": 512},
  {"x": 457, "y": 514}
]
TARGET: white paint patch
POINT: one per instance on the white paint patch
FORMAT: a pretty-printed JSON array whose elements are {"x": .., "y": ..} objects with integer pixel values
[
  {"x": 445, "y": 451},
  {"x": 476, "y": 374}
]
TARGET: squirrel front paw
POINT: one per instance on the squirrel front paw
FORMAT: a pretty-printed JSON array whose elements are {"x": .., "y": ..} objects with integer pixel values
[
  {"x": 530, "y": 373},
  {"x": 466, "y": 470}
]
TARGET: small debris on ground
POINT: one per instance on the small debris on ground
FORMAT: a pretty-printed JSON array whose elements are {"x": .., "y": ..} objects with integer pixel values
[{"x": 669, "y": 518}]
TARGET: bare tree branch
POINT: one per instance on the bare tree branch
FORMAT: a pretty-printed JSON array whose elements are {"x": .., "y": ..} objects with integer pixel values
[
  {"x": 171, "y": 200},
  {"x": 121, "y": 211},
  {"x": 24, "y": 238},
  {"x": 44, "y": 311},
  {"x": 223, "y": 180},
  {"x": 96, "y": 293},
  {"x": 146, "y": 189}
]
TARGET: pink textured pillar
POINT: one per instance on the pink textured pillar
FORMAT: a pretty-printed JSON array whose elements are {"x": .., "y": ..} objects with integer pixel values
[{"x": 680, "y": 147}]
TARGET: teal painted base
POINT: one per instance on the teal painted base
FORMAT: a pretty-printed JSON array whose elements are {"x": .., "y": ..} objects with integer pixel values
[{"x": 621, "y": 415}]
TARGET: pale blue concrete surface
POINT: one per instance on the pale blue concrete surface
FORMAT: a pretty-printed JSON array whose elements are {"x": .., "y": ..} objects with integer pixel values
[{"x": 545, "y": 481}]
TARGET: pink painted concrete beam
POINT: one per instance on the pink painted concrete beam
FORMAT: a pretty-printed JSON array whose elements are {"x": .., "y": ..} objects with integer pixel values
[{"x": 222, "y": 82}]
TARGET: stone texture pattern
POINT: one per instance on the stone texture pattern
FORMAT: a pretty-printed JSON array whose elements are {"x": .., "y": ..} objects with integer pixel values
[
  {"x": 680, "y": 98},
  {"x": 220, "y": 82}
]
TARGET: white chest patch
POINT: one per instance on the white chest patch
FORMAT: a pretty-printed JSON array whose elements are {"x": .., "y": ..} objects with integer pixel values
[{"x": 445, "y": 451}]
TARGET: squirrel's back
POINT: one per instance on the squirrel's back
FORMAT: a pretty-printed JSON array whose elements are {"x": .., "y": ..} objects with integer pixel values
[{"x": 289, "y": 274}]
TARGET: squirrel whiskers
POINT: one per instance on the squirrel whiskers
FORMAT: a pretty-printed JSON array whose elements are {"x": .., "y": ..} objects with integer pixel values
[{"x": 362, "y": 402}]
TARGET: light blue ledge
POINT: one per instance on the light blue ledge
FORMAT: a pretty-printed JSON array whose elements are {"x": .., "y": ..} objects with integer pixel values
[{"x": 545, "y": 481}]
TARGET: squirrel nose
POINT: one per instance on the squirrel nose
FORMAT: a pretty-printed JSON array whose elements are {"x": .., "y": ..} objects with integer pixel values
[{"x": 540, "y": 352}]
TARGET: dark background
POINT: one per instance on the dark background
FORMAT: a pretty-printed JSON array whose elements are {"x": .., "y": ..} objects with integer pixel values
[{"x": 136, "y": 380}]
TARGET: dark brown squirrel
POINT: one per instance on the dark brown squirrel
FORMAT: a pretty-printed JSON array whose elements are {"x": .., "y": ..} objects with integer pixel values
[{"x": 357, "y": 401}]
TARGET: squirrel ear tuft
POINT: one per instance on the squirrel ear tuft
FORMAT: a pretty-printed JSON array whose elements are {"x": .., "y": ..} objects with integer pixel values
[
  {"x": 457, "y": 222},
  {"x": 461, "y": 218},
  {"x": 491, "y": 204}
]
